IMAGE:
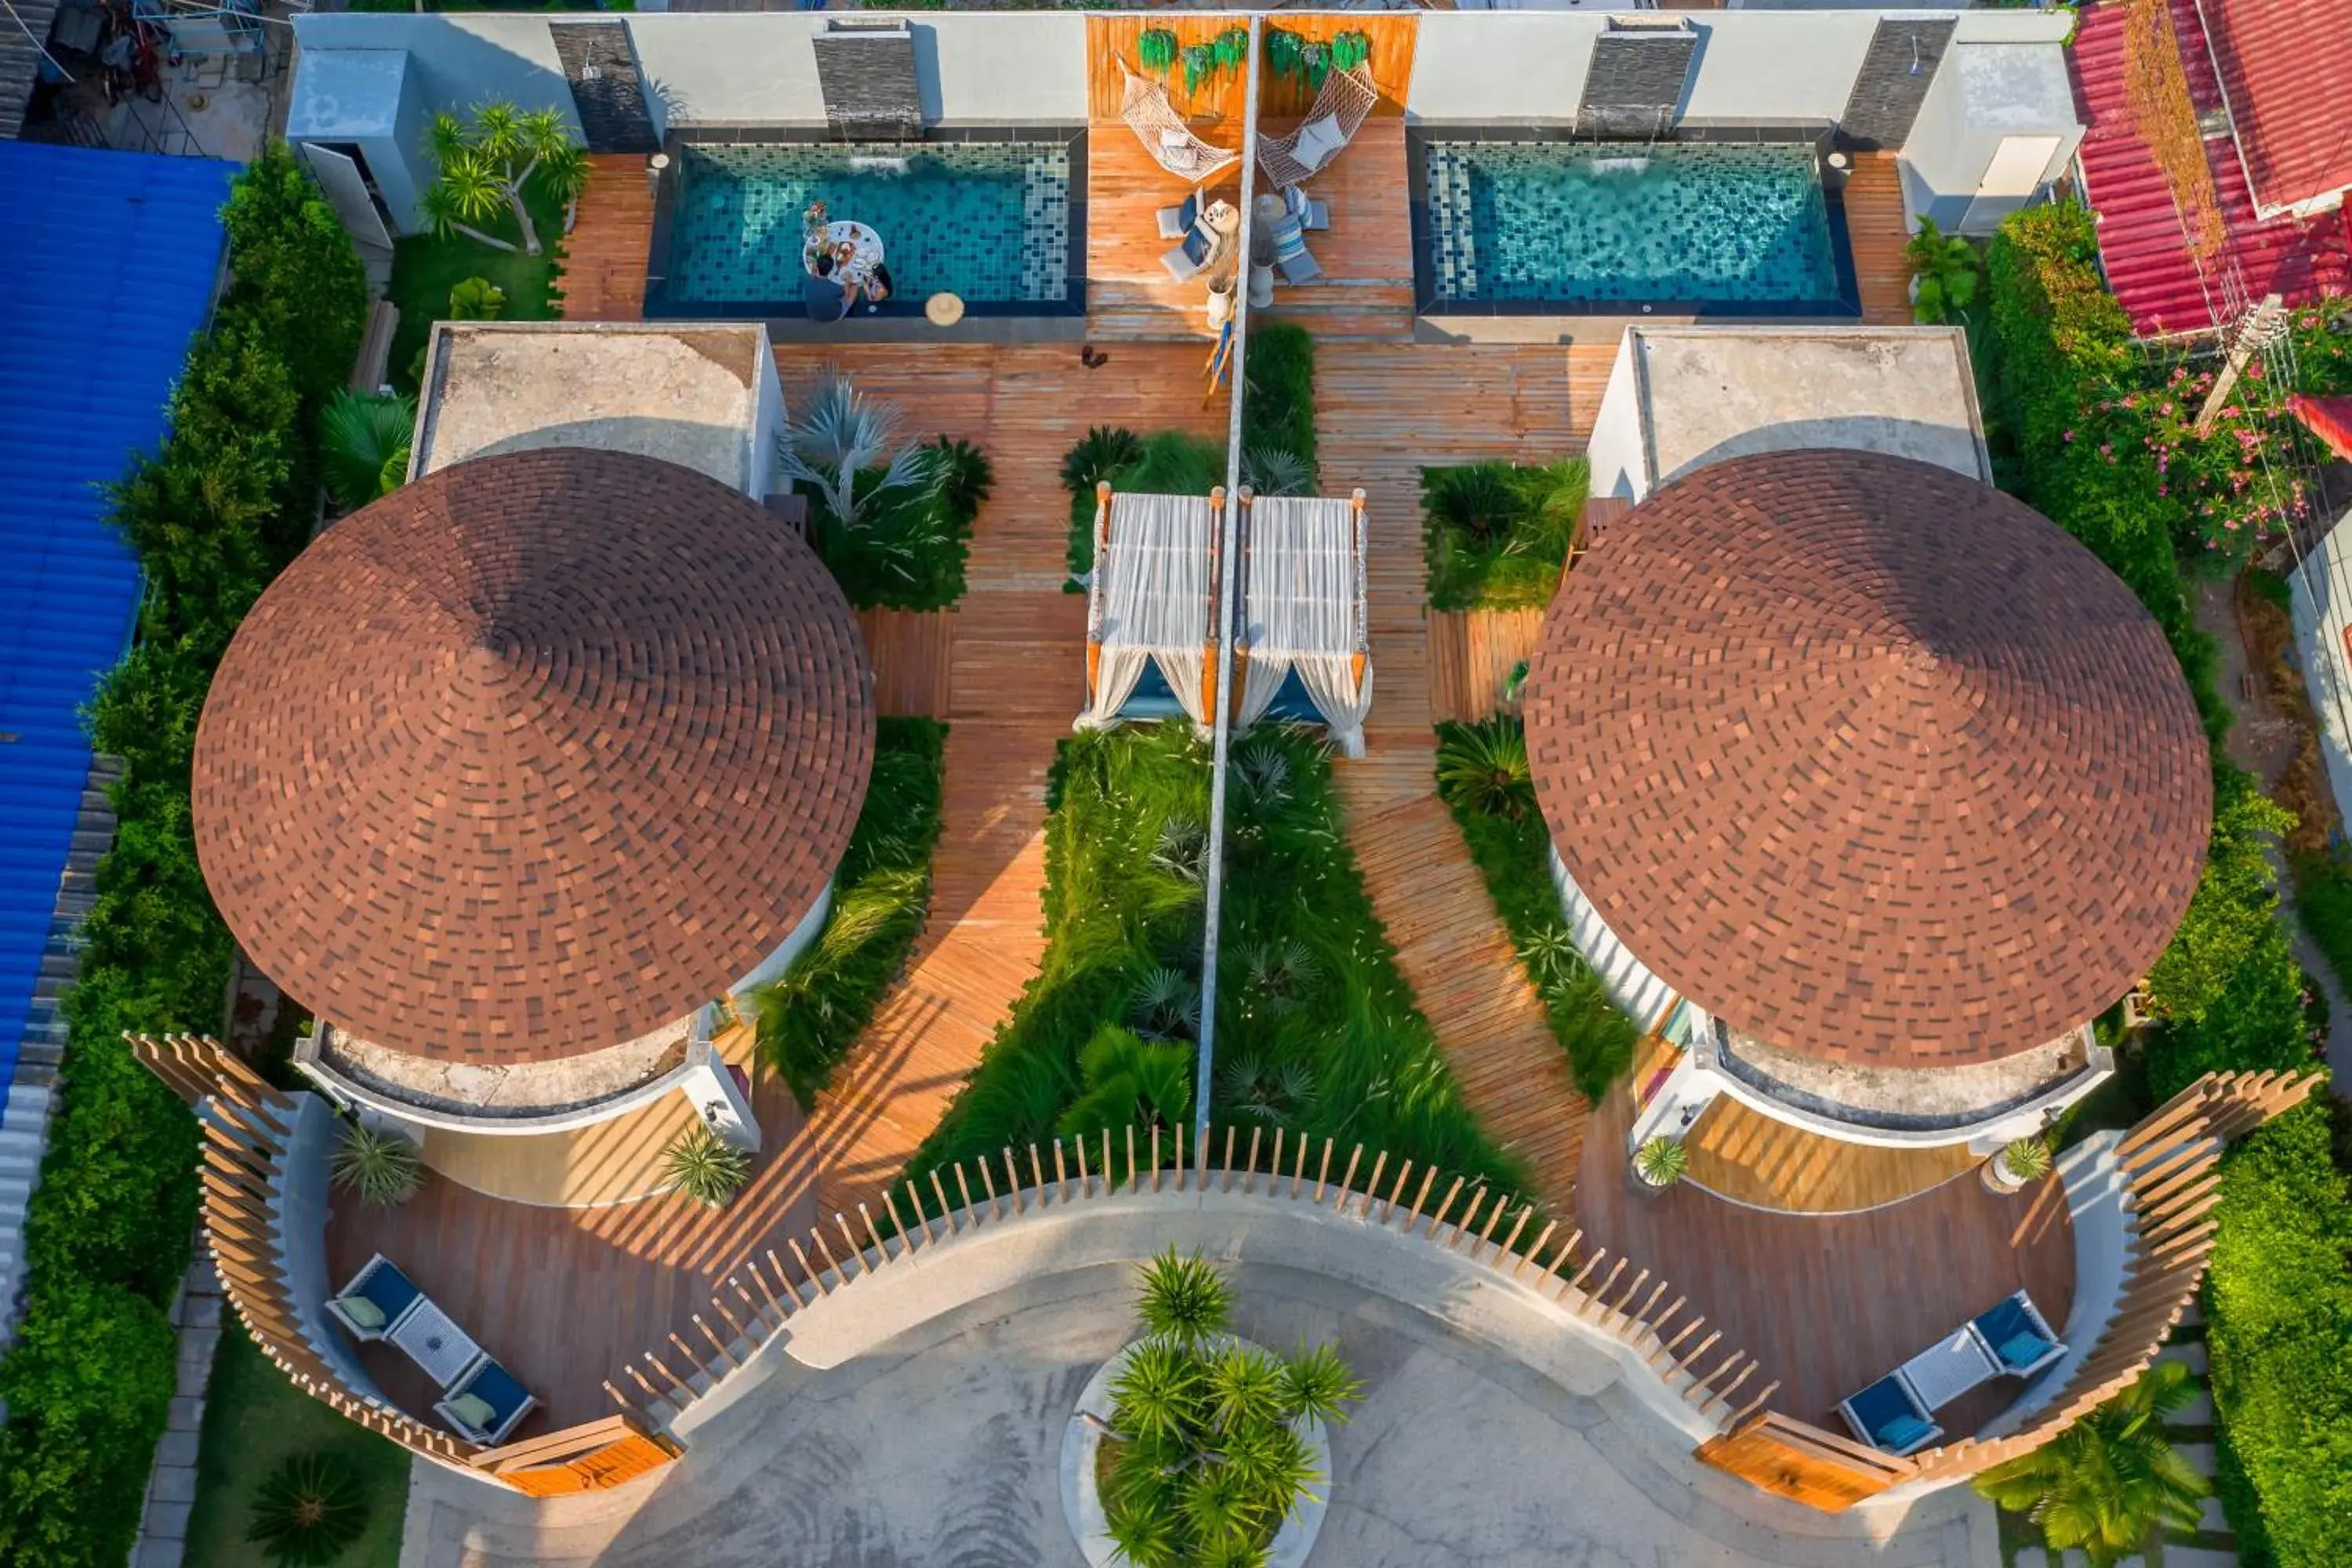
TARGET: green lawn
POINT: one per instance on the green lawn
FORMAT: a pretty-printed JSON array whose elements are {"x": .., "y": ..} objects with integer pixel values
[
  {"x": 424, "y": 270},
  {"x": 254, "y": 1419},
  {"x": 1495, "y": 534}
]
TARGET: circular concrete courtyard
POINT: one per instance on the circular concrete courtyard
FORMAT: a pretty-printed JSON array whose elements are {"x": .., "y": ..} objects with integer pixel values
[{"x": 939, "y": 1449}]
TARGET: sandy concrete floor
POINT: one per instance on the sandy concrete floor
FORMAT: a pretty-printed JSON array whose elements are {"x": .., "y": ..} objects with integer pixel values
[{"x": 940, "y": 1450}]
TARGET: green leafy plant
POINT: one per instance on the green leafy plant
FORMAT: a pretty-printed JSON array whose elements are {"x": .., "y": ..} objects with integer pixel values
[
  {"x": 1497, "y": 535},
  {"x": 1166, "y": 463},
  {"x": 1200, "y": 65},
  {"x": 1282, "y": 53},
  {"x": 1130, "y": 1081},
  {"x": 1205, "y": 1460},
  {"x": 1155, "y": 51},
  {"x": 477, "y": 300},
  {"x": 705, "y": 1166},
  {"x": 1350, "y": 49},
  {"x": 311, "y": 1508},
  {"x": 2026, "y": 1159},
  {"x": 1947, "y": 270},
  {"x": 363, "y": 446},
  {"x": 213, "y": 514},
  {"x": 379, "y": 1168},
  {"x": 1660, "y": 1162},
  {"x": 809, "y": 1019},
  {"x": 1232, "y": 47},
  {"x": 1486, "y": 767},
  {"x": 2107, "y": 1483},
  {"x": 486, "y": 161}
]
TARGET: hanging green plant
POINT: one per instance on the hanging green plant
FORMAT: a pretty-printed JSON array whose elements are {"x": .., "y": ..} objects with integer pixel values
[
  {"x": 1282, "y": 52},
  {"x": 1316, "y": 60},
  {"x": 1199, "y": 60},
  {"x": 1233, "y": 47},
  {"x": 1155, "y": 51},
  {"x": 1350, "y": 49}
]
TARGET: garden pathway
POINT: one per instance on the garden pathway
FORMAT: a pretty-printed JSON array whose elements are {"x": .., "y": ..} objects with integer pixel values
[
  {"x": 605, "y": 254},
  {"x": 1382, "y": 413}
]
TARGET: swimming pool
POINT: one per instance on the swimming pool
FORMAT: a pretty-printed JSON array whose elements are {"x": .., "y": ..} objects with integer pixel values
[
  {"x": 990, "y": 221},
  {"x": 1529, "y": 226}
]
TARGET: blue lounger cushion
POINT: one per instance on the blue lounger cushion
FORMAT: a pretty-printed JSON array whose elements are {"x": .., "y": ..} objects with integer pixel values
[
  {"x": 493, "y": 1384},
  {"x": 1902, "y": 1432},
  {"x": 2023, "y": 1350},
  {"x": 1196, "y": 246},
  {"x": 2016, "y": 1334},
  {"x": 387, "y": 1290}
]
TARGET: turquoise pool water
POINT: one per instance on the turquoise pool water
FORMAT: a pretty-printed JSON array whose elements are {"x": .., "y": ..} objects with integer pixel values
[
  {"x": 986, "y": 220},
  {"x": 1522, "y": 223}
]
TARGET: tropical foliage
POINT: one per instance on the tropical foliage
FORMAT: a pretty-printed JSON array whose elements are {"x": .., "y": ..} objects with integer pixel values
[
  {"x": 363, "y": 443},
  {"x": 449, "y": 277},
  {"x": 1497, "y": 535},
  {"x": 1662, "y": 1161},
  {"x": 308, "y": 1510},
  {"x": 1279, "y": 414},
  {"x": 2112, "y": 1480},
  {"x": 809, "y": 1019},
  {"x": 379, "y": 1168},
  {"x": 485, "y": 162},
  {"x": 891, "y": 518},
  {"x": 705, "y": 1166},
  {"x": 1169, "y": 463},
  {"x": 1945, "y": 271},
  {"x": 1206, "y": 1453},
  {"x": 1483, "y": 776},
  {"x": 214, "y": 515}
]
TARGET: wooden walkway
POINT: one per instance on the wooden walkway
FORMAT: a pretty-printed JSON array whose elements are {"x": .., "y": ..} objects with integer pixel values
[
  {"x": 910, "y": 653},
  {"x": 1383, "y": 411},
  {"x": 605, "y": 257},
  {"x": 1874, "y": 227},
  {"x": 1828, "y": 1304},
  {"x": 1753, "y": 1159},
  {"x": 563, "y": 1297}
]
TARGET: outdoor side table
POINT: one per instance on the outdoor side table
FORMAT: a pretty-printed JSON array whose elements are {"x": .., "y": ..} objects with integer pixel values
[{"x": 430, "y": 1340}]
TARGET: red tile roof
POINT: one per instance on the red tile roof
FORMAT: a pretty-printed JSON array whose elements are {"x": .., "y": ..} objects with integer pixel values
[
  {"x": 2149, "y": 263},
  {"x": 1867, "y": 759},
  {"x": 2329, "y": 419},
  {"x": 2286, "y": 70},
  {"x": 532, "y": 756}
]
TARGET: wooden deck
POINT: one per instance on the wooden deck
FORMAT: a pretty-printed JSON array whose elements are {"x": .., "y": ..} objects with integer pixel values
[
  {"x": 1752, "y": 1159},
  {"x": 910, "y": 653},
  {"x": 1383, "y": 411},
  {"x": 1129, "y": 293},
  {"x": 1875, "y": 230},
  {"x": 563, "y": 1297},
  {"x": 1830, "y": 1304},
  {"x": 605, "y": 256},
  {"x": 1366, "y": 289}
]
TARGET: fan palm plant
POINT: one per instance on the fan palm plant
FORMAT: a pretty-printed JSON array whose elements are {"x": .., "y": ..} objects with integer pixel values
[
  {"x": 2109, "y": 1482},
  {"x": 1485, "y": 767},
  {"x": 309, "y": 1511},
  {"x": 1272, "y": 471},
  {"x": 705, "y": 1166},
  {"x": 363, "y": 444},
  {"x": 841, "y": 437},
  {"x": 381, "y": 1168},
  {"x": 1129, "y": 1079},
  {"x": 1166, "y": 1005},
  {"x": 1267, "y": 1092}
]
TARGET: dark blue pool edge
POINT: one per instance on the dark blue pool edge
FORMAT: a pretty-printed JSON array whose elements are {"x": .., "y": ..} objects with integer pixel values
[
  {"x": 1821, "y": 137},
  {"x": 659, "y": 305}
]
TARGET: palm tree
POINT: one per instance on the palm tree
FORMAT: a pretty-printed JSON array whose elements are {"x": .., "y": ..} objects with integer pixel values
[
  {"x": 1184, "y": 1298},
  {"x": 841, "y": 437},
  {"x": 2110, "y": 1480},
  {"x": 363, "y": 444},
  {"x": 1318, "y": 1386},
  {"x": 312, "y": 1507},
  {"x": 1157, "y": 1394},
  {"x": 1246, "y": 1389},
  {"x": 1484, "y": 766},
  {"x": 1129, "y": 1079},
  {"x": 486, "y": 163}
]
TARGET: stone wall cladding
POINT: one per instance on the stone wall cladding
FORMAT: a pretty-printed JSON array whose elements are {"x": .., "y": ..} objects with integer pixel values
[
  {"x": 1635, "y": 82},
  {"x": 1894, "y": 80}
]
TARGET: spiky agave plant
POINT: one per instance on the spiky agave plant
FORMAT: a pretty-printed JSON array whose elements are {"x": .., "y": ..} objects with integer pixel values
[
  {"x": 2026, "y": 1159},
  {"x": 1484, "y": 766},
  {"x": 1184, "y": 1299},
  {"x": 309, "y": 1511},
  {"x": 363, "y": 443},
  {"x": 705, "y": 1166},
  {"x": 381, "y": 1168},
  {"x": 1661, "y": 1160}
]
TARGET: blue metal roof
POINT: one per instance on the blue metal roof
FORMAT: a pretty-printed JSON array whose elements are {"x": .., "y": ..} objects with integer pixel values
[{"x": 107, "y": 267}]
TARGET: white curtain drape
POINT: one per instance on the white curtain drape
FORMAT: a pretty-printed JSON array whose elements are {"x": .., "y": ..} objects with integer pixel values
[
  {"x": 1149, "y": 601},
  {"x": 1304, "y": 610}
]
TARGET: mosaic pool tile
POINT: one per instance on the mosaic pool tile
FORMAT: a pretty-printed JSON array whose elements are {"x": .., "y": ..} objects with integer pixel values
[
  {"x": 1574, "y": 223},
  {"x": 988, "y": 221}
]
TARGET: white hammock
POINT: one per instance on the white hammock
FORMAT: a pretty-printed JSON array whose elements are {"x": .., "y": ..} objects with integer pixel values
[{"x": 1164, "y": 133}]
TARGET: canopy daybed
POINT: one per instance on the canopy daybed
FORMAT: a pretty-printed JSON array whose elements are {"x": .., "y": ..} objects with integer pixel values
[{"x": 1301, "y": 648}]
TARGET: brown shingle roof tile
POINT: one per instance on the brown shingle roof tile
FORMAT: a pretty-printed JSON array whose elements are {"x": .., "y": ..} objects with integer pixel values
[
  {"x": 1869, "y": 760},
  {"x": 532, "y": 756}
]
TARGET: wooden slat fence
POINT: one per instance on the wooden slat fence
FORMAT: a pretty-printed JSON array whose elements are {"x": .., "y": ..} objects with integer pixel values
[
  {"x": 1215, "y": 109},
  {"x": 1394, "y": 35},
  {"x": 2169, "y": 1165},
  {"x": 1507, "y": 1233},
  {"x": 247, "y": 1125}
]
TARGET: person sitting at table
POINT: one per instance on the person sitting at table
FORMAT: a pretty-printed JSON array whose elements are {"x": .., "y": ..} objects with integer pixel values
[
  {"x": 877, "y": 284},
  {"x": 827, "y": 297}
]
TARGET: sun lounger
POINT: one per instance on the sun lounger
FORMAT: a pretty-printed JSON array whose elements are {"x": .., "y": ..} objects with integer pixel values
[
  {"x": 376, "y": 1299},
  {"x": 485, "y": 1405},
  {"x": 1187, "y": 260},
  {"x": 2016, "y": 1337},
  {"x": 1888, "y": 1415},
  {"x": 1948, "y": 1368}
]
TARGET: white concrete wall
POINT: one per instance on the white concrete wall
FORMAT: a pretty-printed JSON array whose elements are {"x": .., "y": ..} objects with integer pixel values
[
  {"x": 1985, "y": 93},
  {"x": 2322, "y": 615},
  {"x": 1614, "y": 451},
  {"x": 1779, "y": 66},
  {"x": 735, "y": 69}
]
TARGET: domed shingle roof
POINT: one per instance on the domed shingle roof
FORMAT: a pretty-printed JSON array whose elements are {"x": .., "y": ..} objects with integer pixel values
[
  {"x": 532, "y": 756},
  {"x": 1867, "y": 759}
]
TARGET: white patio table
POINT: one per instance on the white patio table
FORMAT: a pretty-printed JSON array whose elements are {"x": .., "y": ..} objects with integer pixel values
[
  {"x": 1948, "y": 1369},
  {"x": 430, "y": 1340}
]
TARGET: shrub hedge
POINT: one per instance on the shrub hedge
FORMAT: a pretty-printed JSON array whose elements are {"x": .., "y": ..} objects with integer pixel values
[
  {"x": 1278, "y": 414},
  {"x": 224, "y": 504},
  {"x": 810, "y": 1018},
  {"x": 2228, "y": 990},
  {"x": 911, "y": 544},
  {"x": 1495, "y": 534}
]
